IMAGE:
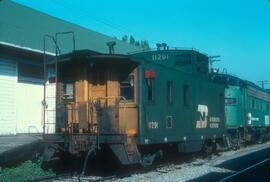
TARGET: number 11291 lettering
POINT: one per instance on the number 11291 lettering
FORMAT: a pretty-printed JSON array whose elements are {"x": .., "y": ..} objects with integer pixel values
[{"x": 160, "y": 57}]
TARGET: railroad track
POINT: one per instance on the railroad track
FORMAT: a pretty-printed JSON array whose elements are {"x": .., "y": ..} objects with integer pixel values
[
  {"x": 84, "y": 179},
  {"x": 72, "y": 178},
  {"x": 250, "y": 173},
  {"x": 167, "y": 167},
  {"x": 159, "y": 168}
]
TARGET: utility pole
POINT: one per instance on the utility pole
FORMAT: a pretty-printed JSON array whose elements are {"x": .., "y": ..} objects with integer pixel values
[
  {"x": 263, "y": 82},
  {"x": 213, "y": 59}
]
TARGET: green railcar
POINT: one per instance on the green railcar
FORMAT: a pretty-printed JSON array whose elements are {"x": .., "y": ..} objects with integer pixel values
[
  {"x": 257, "y": 104},
  {"x": 246, "y": 107},
  {"x": 234, "y": 107}
]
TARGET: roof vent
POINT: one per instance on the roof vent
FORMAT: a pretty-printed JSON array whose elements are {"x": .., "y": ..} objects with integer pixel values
[
  {"x": 164, "y": 45},
  {"x": 111, "y": 46},
  {"x": 158, "y": 46}
]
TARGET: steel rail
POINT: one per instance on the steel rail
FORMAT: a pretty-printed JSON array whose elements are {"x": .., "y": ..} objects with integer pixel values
[
  {"x": 244, "y": 171},
  {"x": 69, "y": 176}
]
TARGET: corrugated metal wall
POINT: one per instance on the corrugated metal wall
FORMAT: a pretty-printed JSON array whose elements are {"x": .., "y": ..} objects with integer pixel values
[
  {"x": 20, "y": 103},
  {"x": 8, "y": 80},
  {"x": 29, "y": 107}
]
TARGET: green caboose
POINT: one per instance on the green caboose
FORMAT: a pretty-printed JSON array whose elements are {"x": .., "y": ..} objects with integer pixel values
[{"x": 154, "y": 99}]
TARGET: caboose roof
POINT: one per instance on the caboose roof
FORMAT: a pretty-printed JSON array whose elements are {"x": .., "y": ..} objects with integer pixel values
[{"x": 92, "y": 56}]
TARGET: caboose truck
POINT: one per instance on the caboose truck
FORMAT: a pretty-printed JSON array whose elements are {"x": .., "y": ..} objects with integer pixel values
[{"x": 135, "y": 104}]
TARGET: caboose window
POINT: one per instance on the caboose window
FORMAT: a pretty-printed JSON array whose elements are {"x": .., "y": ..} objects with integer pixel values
[
  {"x": 127, "y": 87},
  {"x": 253, "y": 104},
  {"x": 185, "y": 95},
  {"x": 69, "y": 90},
  {"x": 150, "y": 88},
  {"x": 169, "y": 92}
]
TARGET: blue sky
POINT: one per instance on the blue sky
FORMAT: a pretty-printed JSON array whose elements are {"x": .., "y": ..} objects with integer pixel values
[{"x": 237, "y": 30}]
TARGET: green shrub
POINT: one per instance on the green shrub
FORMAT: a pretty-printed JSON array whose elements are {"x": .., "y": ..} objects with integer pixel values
[{"x": 24, "y": 172}]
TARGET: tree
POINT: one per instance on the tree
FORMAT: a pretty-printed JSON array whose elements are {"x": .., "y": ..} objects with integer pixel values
[
  {"x": 125, "y": 38},
  {"x": 145, "y": 44},
  {"x": 137, "y": 43},
  {"x": 131, "y": 40}
]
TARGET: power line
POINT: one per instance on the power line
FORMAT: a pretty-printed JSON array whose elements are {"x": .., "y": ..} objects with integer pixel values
[
  {"x": 263, "y": 82},
  {"x": 93, "y": 17},
  {"x": 213, "y": 59},
  {"x": 103, "y": 21}
]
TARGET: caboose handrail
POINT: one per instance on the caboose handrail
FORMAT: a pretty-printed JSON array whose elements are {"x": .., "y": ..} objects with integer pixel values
[{"x": 114, "y": 97}]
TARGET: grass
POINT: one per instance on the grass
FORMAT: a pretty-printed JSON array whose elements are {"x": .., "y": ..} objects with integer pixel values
[{"x": 24, "y": 172}]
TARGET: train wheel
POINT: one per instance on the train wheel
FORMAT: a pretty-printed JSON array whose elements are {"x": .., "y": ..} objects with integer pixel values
[{"x": 208, "y": 148}]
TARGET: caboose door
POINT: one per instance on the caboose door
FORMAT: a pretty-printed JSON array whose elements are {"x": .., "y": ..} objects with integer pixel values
[{"x": 112, "y": 96}]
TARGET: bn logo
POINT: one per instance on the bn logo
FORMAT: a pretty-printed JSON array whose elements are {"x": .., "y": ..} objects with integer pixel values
[{"x": 202, "y": 122}]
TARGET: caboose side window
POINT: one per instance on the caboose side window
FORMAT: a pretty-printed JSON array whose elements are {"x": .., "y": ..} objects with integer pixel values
[
  {"x": 185, "y": 95},
  {"x": 253, "y": 104},
  {"x": 169, "y": 92},
  {"x": 150, "y": 89},
  {"x": 127, "y": 87}
]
